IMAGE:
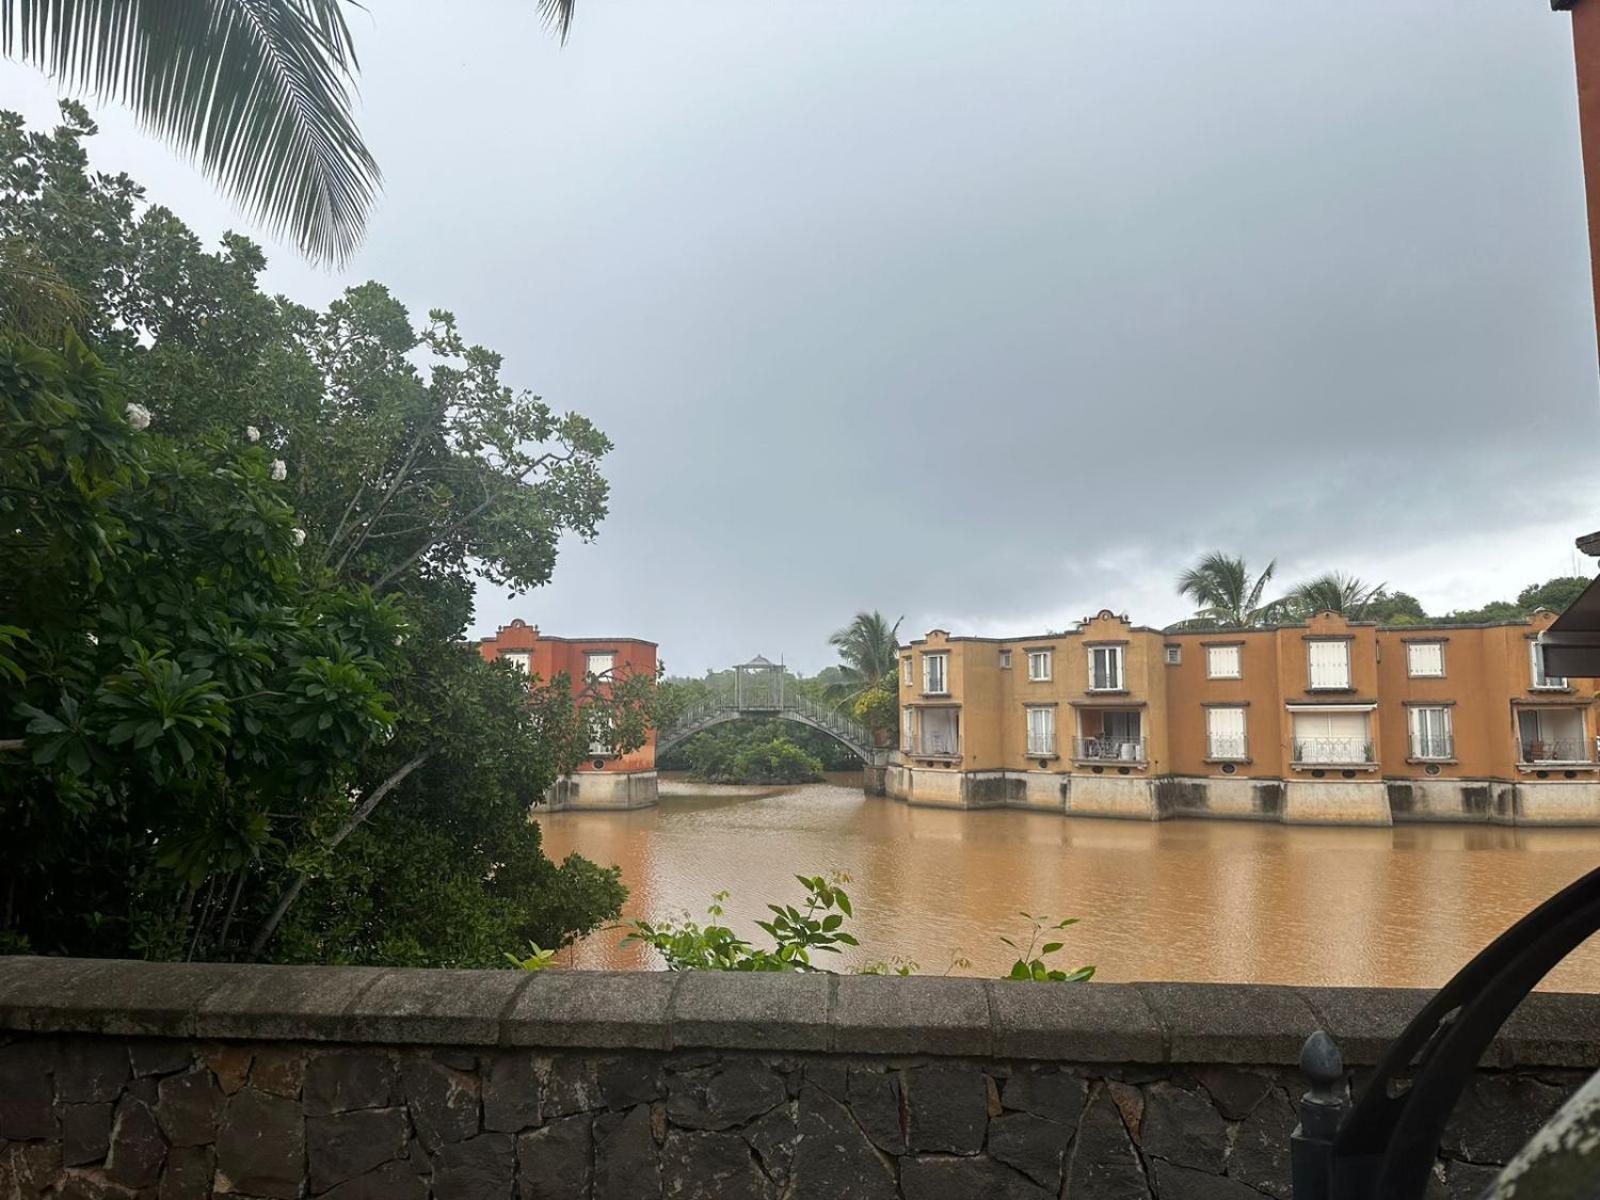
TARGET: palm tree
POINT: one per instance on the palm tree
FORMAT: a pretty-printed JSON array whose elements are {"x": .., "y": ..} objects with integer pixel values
[
  {"x": 1335, "y": 592},
  {"x": 869, "y": 648},
  {"x": 1222, "y": 587}
]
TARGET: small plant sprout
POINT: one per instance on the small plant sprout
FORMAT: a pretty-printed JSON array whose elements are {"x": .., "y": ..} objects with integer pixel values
[
  {"x": 1031, "y": 967},
  {"x": 797, "y": 934},
  {"x": 539, "y": 960}
]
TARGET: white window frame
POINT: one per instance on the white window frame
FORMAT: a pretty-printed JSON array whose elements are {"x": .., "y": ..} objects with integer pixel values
[
  {"x": 1312, "y": 683},
  {"x": 1041, "y": 742},
  {"x": 1174, "y": 656},
  {"x": 1118, "y": 676},
  {"x": 908, "y": 728},
  {"x": 941, "y": 659},
  {"x": 1041, "y": 666},
  {"x": 607, "y": 671},
  {"x": 1238, "y": 662},
  {"x": 908, "y": 671},
  {"x": 1538, "y": 680},
  {"x": 599, "y": 744},
  {"x": 1243, "y": 735},
  {"x": 1412, "y": 670},
  {"x": 1424, "y": 743},
  {"x": 520, "y": 660},
  {"x": 1005, "y": 660}
]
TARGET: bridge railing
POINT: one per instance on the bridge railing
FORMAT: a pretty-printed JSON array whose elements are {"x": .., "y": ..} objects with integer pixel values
[{"x": 854, "y": 734}]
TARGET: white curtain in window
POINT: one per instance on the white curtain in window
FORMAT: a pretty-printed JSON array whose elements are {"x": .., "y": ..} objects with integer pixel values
[
  {"x": 1041, "y": 731},
  {"x": 1225, "y": 732}
]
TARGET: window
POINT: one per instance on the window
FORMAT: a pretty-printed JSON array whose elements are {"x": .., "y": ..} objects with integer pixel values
[
  {"x": 599, "y": 736},
  {"x": 517, "y": 658},
  {"x": 1425, "y": 660},
  {"x": 941, "y": 732},
  {"x": 1174, "y": 656},
  {"x": 1430, "y": 731},
  {"x": 1222, "y": 662},
  {"x": 599, "y": 664},
  {"x": 1336, "y": 737},
  {"x": 1225, "y": 733},
  {"x": 1330, "y": 664},
  {"x": 1540, "y": 679},
  {"x": 1105, "y": 668},
  {"x": 908, "y": 672},
  {"x": 908, "y": 727},
  {"x": 1041, "y": 731},
  {"x": 1005, "y": 660},
  {"x": 1038, "y": 666},
  {"x": 1552, "y": 735},
  {"x": 934, "y": 674}
]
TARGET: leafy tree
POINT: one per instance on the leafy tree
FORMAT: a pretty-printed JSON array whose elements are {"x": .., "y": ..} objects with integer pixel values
[
  {"x": 1395, "y": 608},
  {"x": 1226, "y": 594},
  {"x": 1555, "y": 594},
  {"x": 778, "y": 761},
  {"x": 188, "y": 701},
  {"x": 878, "y": 710},
  {"x": 408, "y": 469}
]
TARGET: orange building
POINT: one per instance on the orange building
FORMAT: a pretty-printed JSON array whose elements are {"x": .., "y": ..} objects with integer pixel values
[
  {"x": 1326, "y": 721},
  {"x": 607, "y": 779}
]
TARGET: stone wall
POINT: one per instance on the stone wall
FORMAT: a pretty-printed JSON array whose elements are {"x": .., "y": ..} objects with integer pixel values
[
  {"x": 168, "y": 1081},
  {"x": 1363, "y": 800}
]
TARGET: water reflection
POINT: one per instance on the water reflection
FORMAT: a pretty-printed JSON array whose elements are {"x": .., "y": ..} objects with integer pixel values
[{"x": 1193, "y": 900}]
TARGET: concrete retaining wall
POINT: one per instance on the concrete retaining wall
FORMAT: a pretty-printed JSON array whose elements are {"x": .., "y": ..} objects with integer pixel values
[
  {"x": 602, "y": 790},
  {"x": 1366, "y": 800},
  {"x": 172, "y": 1081}
]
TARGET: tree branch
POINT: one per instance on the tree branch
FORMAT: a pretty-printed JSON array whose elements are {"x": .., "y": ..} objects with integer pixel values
[{"x": 292, "y": 892}]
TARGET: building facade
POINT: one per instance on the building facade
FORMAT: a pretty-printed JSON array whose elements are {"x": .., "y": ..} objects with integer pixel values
[
  {"x": 606, "y": 779},
  {"x": 1330, "y": 721}
]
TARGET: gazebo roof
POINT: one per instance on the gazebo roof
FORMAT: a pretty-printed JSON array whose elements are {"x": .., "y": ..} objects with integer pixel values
[{"x": 758, "y": 661}]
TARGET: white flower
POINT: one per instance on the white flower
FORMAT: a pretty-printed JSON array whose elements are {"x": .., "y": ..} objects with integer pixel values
[
  {"x": 93, "y": 641},
  {"x": 299, "y": 536},
  {"x": 280, "y": 471},
  {"x": 251, "y": 433},
  {"x": 138, "y": 416}
]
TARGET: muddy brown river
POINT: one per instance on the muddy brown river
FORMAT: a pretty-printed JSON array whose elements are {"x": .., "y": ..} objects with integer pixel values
[{"x": 1181, "y": 900}]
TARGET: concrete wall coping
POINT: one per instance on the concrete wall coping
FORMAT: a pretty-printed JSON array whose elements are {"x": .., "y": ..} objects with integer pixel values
[{"x": 630, "y": 1010}]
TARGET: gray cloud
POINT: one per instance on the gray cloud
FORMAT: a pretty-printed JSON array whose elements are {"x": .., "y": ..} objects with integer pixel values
[{"x": 994, "y": 322}]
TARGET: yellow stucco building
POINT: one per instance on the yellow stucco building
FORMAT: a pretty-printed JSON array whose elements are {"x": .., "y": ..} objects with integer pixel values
[{"x": 1328, "y": 721}]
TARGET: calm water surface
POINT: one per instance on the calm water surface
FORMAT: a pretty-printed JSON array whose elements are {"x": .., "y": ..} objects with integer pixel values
[{"x": 1189, "y": 900}]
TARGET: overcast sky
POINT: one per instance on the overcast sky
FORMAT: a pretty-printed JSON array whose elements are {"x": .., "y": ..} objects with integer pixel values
[{"x": 993, "y": 315}]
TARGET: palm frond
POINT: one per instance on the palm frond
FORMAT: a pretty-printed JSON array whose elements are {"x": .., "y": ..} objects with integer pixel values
[
  {"x": 34, "y": 299},
  {"x": 557, "y": 15},
  {"x": 257, "y": 91}
]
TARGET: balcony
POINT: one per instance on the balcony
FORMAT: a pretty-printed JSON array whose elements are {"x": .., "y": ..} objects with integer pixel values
[
  {"x": 1227, "y": 748},
  {"x": 1333, "y": 752},
  {"x": 1555, "y": 750},
  {"x": 1108, "y": 749}
]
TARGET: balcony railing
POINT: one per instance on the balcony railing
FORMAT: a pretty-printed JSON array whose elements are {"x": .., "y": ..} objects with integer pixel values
[
  {"x": 1119, "y": 749},
  {"x": 938, "y": 746},
  {"x": 1227, "y": 746},
  {"x": 1556, "y": 750},
  {"x": 1433, "y": 746},
  {"x": 1333, "y": 752}
]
